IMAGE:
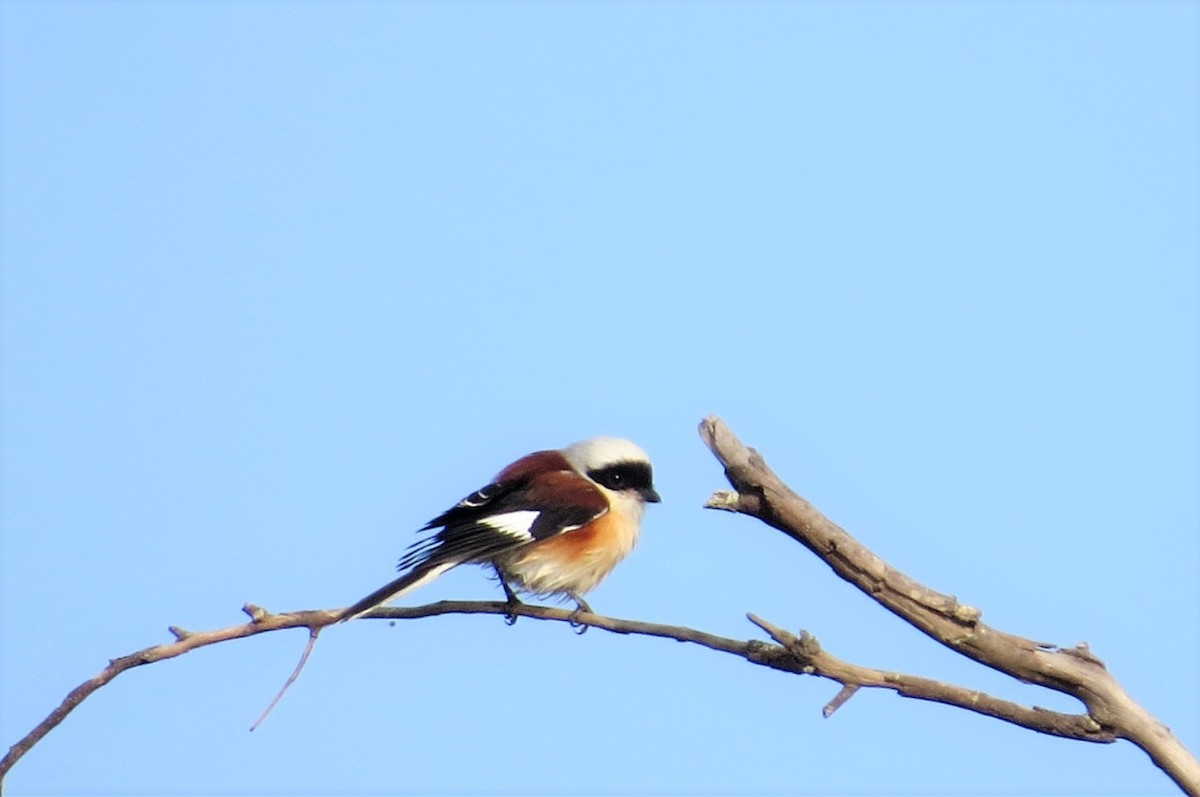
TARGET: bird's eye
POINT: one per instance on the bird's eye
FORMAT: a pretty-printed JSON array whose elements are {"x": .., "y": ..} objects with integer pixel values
[{"x": 623, "y": 476}]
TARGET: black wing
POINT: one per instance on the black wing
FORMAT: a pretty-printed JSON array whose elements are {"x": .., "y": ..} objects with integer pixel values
[{"x": 505, "y": 515}]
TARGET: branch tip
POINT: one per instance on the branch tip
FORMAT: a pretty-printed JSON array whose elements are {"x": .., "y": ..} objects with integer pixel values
[
  {"x": 763, "y": 624},
  {"x": 180, "y": 634},
  {"x": 847, "y": 691},
  {"x": 308, "y": 648},
  {"x": 709, "y": 429}
]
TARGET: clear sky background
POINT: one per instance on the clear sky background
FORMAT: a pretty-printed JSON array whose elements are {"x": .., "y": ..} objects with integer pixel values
[{"x": 283, "y": 281}]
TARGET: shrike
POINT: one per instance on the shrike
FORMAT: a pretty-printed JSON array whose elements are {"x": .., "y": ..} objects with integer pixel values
[{"x": 553, "y": 523}]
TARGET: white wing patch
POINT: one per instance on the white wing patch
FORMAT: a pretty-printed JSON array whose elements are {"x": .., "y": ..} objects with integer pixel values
[{"x": 514, "y": 524}]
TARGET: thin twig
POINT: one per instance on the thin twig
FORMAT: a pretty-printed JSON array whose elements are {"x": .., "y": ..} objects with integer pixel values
[{"x": 312, "y": 640}]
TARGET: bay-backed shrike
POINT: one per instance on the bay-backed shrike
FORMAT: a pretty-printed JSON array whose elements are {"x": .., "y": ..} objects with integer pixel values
[{"x": 551, "y": 523}]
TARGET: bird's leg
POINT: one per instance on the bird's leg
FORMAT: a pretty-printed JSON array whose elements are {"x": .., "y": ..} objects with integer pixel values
[
  {"x": 510, "y": 598},
  {"x": 581, "y": 607}
]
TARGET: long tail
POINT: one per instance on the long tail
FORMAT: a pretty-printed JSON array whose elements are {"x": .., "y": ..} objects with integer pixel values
[{"x": 409, "y": 581}]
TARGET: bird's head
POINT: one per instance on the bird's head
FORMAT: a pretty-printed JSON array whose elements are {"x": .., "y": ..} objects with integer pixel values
[{"x": 619, "y": 467}]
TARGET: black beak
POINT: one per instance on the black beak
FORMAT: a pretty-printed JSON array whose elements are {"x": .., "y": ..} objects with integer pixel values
[{"x": 650, "y": 495}]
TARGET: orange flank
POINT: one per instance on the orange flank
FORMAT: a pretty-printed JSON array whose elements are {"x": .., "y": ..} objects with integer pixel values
[{"x": 574, "y": 560}]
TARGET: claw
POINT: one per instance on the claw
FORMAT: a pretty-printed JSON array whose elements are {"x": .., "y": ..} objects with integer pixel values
[
  {"x": 510, "y": 598},
  {"x": 581, "y": 607}
]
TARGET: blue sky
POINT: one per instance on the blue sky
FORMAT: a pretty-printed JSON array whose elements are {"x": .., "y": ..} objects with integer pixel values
[{"x": 283, "y": 281}]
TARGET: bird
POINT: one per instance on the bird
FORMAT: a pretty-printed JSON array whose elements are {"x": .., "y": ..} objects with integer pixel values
[{"x": 554, "y": 523}]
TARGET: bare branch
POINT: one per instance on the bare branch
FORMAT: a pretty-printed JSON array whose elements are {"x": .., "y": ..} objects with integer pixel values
[
  {"x": 1073, "y": 671},
  {"x": 185, "y": 641},
  {"x": 852, "y": 677},
  {"x": 800, "y": 656}
]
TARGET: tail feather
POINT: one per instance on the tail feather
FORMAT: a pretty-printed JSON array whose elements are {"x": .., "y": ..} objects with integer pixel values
[{"x": 407, "y": 582}]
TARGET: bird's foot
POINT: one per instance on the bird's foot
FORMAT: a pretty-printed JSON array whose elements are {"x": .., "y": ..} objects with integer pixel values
[
  {"x": 511, "y": 601},
  {"x": 581, "y": 607},
  {"x": 511, "y": 613}
]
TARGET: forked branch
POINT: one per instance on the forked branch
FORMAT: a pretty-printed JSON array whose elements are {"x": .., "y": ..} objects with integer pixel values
[{"x": 1073, "y": 671}]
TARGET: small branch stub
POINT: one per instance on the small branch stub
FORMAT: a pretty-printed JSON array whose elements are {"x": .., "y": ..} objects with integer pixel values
[
  {"x": 256, "y": 613},
  {"x": 848, "y": 691},
  {"x": 967, "y": 615},
  {"x": 725, "y": 500}
]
